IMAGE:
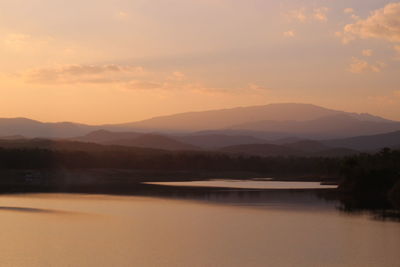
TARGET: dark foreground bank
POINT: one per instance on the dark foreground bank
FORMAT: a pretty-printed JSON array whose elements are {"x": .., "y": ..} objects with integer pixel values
[{"x": 366, "y": 181}]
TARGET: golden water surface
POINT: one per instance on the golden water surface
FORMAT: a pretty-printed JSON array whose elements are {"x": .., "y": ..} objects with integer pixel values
[{"x": 81, "y": 230}]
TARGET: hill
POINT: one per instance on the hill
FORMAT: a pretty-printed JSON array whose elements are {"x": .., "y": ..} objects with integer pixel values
[
  {"x": 306, "y": 148},
  {"x": 154, "y": 141},
  {"x": 369, "y": 142},
  {"x": 31, "y": 128},
  {"x": 215, "y": 141},
  {"x": 12, "y": 137},
  {"x": 268, "y": 122},
  {"x": 264, "y": 150},
  {"x": 104, "y": 136},
  {"x": 67, "y": 145},
  {"x": 133, "y": 139},
  {"x": 338, "y": 125},
  {"x": 225, "y": 118}
]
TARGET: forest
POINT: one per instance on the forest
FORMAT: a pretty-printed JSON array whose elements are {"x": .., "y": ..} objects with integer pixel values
[{"x": 372, "y": 180}]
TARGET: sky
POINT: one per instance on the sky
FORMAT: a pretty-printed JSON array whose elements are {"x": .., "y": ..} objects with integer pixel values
[{"x": 114, "y": 61}]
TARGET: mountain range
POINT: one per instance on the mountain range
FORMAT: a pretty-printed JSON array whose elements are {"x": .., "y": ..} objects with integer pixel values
[
  {"x": 241, "y": 145},
  {"x": 289, "y": 119},
  {"x": 287, "y": 129},
  {"x": 133, "y": 139}
]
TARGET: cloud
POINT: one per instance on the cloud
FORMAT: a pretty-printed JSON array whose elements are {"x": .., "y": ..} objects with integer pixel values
[
  {"x": 305, "y": 15},
  {"x": 391, "y": 99},
  {"x": 289, "y": 33},
  {"x": 361, "y": 66},
  {"x": 320, "y": 13},
  {"x": 297, "y": 14},
  {"x": 348, "y": 10},
  {"x": 256, "y": 88},
  {"x": 177, "y": 76},
  {"x": 367, "y": 52},
  {"x": 20, "y": 42},
  {"x": 125, "y": 77},
  {"x": 382, "y": 24},
  {"x": 122, "y": 15},
  {"x": 397, "y": 51},
  {"x": 251, "y": 89},
  {"x": 19, "y": 50},
  {"x": 80, "y": 73},
  {"x": 16, "y": 41},
  {"x": 143, "y": 85}
]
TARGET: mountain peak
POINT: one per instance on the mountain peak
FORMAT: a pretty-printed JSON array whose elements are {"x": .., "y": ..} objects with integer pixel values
[
  {"x": 279, "y": 119},
  {"x": 224, "y": 118}
]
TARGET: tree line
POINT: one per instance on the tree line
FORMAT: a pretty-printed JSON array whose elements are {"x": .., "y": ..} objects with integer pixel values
[{"x": 34, "y": 158}]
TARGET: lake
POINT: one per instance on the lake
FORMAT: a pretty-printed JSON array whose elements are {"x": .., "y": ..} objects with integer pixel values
[
  {"x": 252, "y": 184},
  {"x": 218, "y": 227}
]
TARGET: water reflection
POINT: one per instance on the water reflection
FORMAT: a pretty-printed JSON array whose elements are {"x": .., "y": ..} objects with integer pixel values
[
  {"x": 23, "y": 209},
  {"x": 164, "y": 231},
  {"x": 249, "y": 184},
  {"x": 244, "y": 197},
  {"x": 316, "y": 199}
]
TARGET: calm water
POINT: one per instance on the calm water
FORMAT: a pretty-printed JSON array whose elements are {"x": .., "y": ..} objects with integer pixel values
[
  {"x": 216, "y": 228},
  {"x": 250, "y": 184}
]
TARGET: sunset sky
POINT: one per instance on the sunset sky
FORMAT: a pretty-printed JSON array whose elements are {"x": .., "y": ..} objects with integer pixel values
[{"x": 111, "y": 61}]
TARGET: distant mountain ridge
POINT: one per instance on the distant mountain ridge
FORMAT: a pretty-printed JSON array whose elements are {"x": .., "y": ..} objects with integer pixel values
[
  {"x": 299, "y": 149},
  {"x": 215, "y": 141},
  {"x": 228, "y": 118},
  {"x": 368, "y": 142},
  {"x": 218, "y": 128},
  {"x": 243, "y": 145},
  {"x": 31, "y": 128},
  {"x": 338, "y": 125},
  {"x": 103, "y": 136},
  {"x": 133, "y": 139}
]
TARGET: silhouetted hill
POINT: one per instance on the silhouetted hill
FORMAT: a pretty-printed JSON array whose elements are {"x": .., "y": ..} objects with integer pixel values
[
  {"x": 104, "y": 136},
  {"x": 302, "y": 149},
  {"x": 287, "y": 140},
  {"x": 269, "y": 136},
  {"x": 335, "y": 152},
  {"x": 370, "y": 142},
  {"x": 338, "y": 125},
  {"x": 274, "y": 121},
  {"x": 12, "y": 137},
  {"x": 66, "y": 145},
  {"x": 211, "y": 141},
  {"x": 283, "y": 118},
  {"x": 135, "y": 139},
  {"x": 31, "y": 128},
  {"x": 154, "y": 141},
  {"x": 225, "y": 118},
  {"x": 264, "y": 150},
  {"x": 307, "y": 146}
]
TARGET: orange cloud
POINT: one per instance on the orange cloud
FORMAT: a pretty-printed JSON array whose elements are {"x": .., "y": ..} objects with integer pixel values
[
  {"x": 320, "y": 13},
  {"x": 367, "y": 52},
  {"x": 72, "y": 74},
  {"x": 143, "y": 85},
  {"x": 125, "y": 77},
  {"x": 297, "y": 14},
  {"x": 289, "y": 34},
  {"x": 348, "y": 10},
  {"x": 397, "y": 51},
  {"x": 383, "y": 24},
  {"x": 360, "y": 66},
  {"x": 21, "y": 42},
  {"x": 304, "y": 15}
]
